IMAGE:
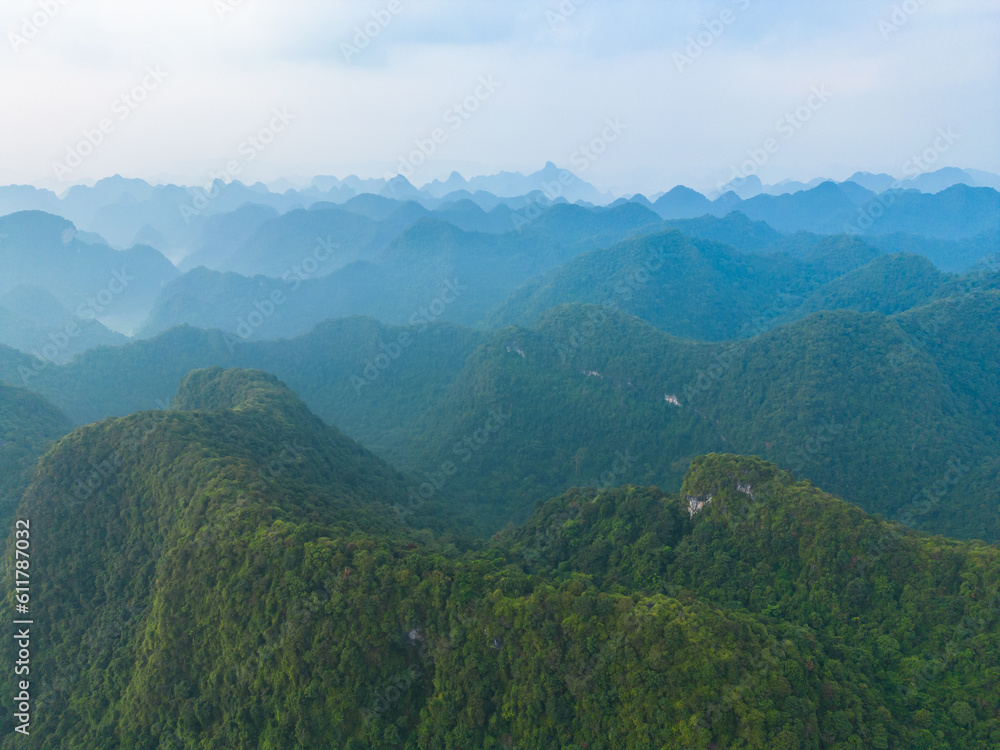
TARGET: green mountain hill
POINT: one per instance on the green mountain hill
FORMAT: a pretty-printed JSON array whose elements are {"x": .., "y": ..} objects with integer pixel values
[
  {"x": 28, "y": 424},
  {"x": 230, "y": 575},
  {"x": 700, "y": 289},
  {"x": 859, "y": 403},
  {"x": 889, "y": 284},
  {"x": 899, "y": 413},
  {"x": 220, "y": 236},
  {"x": 959, "y": 212},
  {"x": 955, "y": 256},
  {"x": 735, "y": 230},
  {"x": 694, "y": 288},
  {"x": 279, "y": 244}
]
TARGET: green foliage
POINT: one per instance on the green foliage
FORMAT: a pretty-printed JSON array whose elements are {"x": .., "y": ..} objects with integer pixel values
[
  {"x": 888, "y": 284},
  {"x": 898, "y": 413},
  {"x": 28, "y": 424},
  {"x": 693, "y": 288},
  {"x": 700, "y": 289},
  {"x": 233, "y": 577},
  {"x": 948, "y": 255}
]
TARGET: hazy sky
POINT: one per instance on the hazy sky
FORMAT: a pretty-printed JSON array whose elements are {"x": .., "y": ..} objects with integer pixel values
[{"x": 693, "y": 89}]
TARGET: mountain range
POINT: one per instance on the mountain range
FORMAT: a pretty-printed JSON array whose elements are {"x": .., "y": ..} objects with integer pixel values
[
  {"x": 878, "y": 407},
  {"x": 259, "y": 273},
  {"x": 240, "y": 578},
  {"x": 126, "y": 212},
  {"x": 506, "y": 462}
]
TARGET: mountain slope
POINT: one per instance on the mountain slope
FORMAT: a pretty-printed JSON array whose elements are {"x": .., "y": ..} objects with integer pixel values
[
  {"x": 132, "y": 504},
  {"x": 871, "y": 593},
  {"x": 888, "y": 285},
  {"x": 279, "y": 244},
  {"x": 693, "y": 288},
  {"x": 235, "y": 582},
  {"x": 959, "y": 212},
  {"x": 28, "y": 423},
  {"x": 735, "y": 230},
  {"x": 92, "y": 281},
  {"x": 955, "y": 256},
  {"x": 393, "y": 261},
  {"x": 221, "y": 235},
  {"x": 899, "y": 413},
  {"x": 41, "y": 325},
  {"x": 851, "y": 401}
]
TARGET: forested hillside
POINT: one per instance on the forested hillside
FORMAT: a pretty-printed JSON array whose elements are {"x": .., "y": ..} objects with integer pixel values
[
  {"x": 457, "y": 375},
  {"x": 702, "y": 289},
  {"x": 242, "y": 579},
  {"x": 28, "y": 424},
  {"x": 899, "y": 413}
]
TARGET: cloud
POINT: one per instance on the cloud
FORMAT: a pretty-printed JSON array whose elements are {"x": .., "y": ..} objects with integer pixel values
[{"x": 566, "y": 66}]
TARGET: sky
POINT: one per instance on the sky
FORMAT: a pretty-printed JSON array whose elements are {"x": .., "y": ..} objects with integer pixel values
[{"x": 631, "y": 95}]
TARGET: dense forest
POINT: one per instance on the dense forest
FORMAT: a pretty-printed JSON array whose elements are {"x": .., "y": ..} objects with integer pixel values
[
  {"x": 28, "y": 425},
  {"x": 532, "y": 375},
  {"x": 898, "y": 412},
  {"x": 245, "y": 578},
  {"x": 476, "y": 465}
]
